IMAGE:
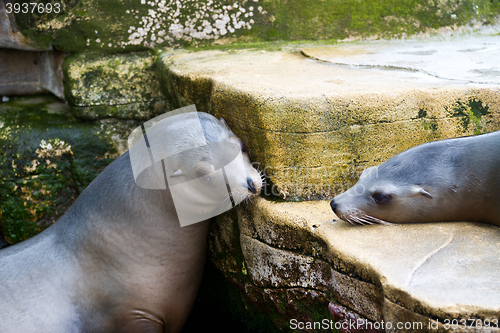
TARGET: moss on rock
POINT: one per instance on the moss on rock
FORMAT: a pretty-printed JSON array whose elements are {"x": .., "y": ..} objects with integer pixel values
[
  {"x": 313, "y": 126},
  {"x": 131, "y": 25},
  {"x": 124, "y": 86},
  {"x": 49, "y": 157}
]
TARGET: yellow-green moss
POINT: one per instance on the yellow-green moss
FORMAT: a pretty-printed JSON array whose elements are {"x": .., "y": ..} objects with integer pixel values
[
  {"x": 130, "y": 25},
  {"x": 48, "y": 158},
  {"x": 124, "y": 86}
]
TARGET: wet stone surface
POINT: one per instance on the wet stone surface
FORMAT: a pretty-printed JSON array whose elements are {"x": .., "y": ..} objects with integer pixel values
[{"x": 49, "y": 157}]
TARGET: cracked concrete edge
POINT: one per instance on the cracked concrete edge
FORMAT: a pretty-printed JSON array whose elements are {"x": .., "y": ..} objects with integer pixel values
[
  {"x": 352, "y": 279},
  {"x": 361, "y": 296},
  {"x": 271, "y": 267},
  {"x": 243, "y": 260},
  {"x": 294, "y": 227},
  {"x": 313, "y": 113}
]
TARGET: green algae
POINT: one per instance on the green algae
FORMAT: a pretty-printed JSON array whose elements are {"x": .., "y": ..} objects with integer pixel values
[
  {"x": 48, "y": 158},
  {"x": 472, "y": 113},
  {"x": 124, "y": 86},
  {"x": 130, "y": 25}
]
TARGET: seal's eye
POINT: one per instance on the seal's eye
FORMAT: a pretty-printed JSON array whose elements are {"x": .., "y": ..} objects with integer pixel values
[
  {"x": 381, "y": 199},
  {"x": 244, "y": 148}
]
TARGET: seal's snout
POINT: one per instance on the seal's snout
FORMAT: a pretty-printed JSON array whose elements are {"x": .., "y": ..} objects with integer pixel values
[
  {"x": 250, "y": 185},
  {"x": 334, "y": 206}
]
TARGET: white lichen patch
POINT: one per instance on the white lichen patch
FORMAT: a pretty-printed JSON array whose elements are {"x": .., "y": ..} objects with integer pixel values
[
  {"x": 190, "y": 20},
  {"x": 53, "y": 148},
  {"x": 32, "y": 168},
  {"x": 58, "y": 23}
]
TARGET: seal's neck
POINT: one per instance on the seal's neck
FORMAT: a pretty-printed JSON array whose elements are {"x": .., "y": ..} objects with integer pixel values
[{"x": 123, "y": 222}]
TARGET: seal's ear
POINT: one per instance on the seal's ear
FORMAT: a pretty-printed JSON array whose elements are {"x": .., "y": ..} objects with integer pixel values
[
  {"x": 367, "y": 172},
  {"x": 420, "y": 190},
  {"x": 204, "y": 168},
  {"x": 224, "y": 122},
  {"x": 178, "y": 172}
]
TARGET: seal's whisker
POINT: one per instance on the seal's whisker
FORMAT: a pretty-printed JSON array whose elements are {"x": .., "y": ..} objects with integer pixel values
[
  {"x": 365, "y": 219},
  {"x": 221, "y": 206},
  {"x": 379, "y": 221},
  {"x": 359, "y": 218},
  {"x": 348, "y": 219}
]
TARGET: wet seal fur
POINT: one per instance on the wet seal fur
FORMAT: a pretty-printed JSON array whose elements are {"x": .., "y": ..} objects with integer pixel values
[
  {"x": 117, "y": 261},
  {"x": 447, "y": 180}
]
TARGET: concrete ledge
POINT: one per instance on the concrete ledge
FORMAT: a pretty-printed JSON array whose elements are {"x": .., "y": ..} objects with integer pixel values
[
  {"x": 428, "y": 273},
  {"x": 314, "y": 125}
]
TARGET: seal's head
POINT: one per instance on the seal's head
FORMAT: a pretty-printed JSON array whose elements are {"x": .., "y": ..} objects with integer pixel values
[
  {"x": 421, "y": 184},
  {"x": 206, "y": 166},
  {"x": 223, "y": 162}
]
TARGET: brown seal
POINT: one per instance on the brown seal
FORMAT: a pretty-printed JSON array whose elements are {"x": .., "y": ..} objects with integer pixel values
[
  {"x": 118, "y": 260},
  {"x": 447, "y": 180}
]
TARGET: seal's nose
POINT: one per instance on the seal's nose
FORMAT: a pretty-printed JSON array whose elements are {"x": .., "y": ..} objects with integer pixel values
[
  {"x": 250, "y": 185},
  {"x": 333, "y": 205}
]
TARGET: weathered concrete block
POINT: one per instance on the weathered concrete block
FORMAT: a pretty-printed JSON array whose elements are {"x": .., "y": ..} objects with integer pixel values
[
  {"x": 124, "y": 86},
  {"x": 314, "y": 125}
]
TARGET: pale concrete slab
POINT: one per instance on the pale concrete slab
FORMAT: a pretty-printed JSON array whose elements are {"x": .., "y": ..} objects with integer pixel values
[{"x": 463, "y": 59}]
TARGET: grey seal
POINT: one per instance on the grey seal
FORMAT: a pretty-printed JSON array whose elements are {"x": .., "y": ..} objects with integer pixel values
[
  {"x": 118, "y": 260},
  {"x": 446, "y": 180}
]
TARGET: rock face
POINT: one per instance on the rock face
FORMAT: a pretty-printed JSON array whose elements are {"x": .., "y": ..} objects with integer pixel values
[
  {"x": 48, "y": 158},
  {"x": 124, "y": 86},
  {"x": 317, "y": 118},
  {"x": 29, "y": 73},
  {"x": 26, "y": 68},
  {"x": 296, "y": 263},
  {"x": 131, "y": 25},
  {"x": 10, "y": 36}
]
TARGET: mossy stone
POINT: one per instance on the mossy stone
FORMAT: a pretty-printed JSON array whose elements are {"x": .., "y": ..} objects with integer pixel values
[
  {"x": 124, "y": 86},
  {"x": 132, "y": 25},
  {"x": 48, "y": 158}
]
